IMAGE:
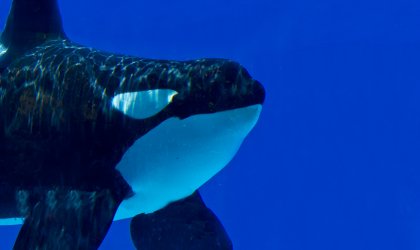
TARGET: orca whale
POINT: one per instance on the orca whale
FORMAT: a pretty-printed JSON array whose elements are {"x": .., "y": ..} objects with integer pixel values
[{"x": 88, "y": 137}]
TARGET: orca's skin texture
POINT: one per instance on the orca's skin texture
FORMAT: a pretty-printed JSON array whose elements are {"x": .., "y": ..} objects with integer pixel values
[
  {"x": 182, "y": 225},
  {"x": 70, "y": 115}
]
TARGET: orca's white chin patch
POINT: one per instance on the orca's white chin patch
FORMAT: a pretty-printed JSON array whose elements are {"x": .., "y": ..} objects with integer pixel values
[{"x": 178, "y": 156}]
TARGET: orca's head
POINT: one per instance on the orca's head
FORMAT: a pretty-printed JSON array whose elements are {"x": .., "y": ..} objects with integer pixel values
[
  {"x": 216, "y": 86},
  {"x": 204, "y": 110}
]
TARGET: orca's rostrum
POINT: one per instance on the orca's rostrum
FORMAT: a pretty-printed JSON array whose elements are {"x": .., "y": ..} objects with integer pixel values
[{"x": 88, "y": 136}]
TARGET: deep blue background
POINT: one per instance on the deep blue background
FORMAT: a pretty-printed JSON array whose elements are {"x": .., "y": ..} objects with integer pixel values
[{"x": 334, "y": 161}]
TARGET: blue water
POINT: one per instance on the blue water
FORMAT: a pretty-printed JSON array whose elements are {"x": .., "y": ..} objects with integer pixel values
[{"x": 334, "y": 162}]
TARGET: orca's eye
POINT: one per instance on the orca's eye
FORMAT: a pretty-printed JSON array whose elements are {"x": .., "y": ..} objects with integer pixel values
[{"x": 143, "y": 104}]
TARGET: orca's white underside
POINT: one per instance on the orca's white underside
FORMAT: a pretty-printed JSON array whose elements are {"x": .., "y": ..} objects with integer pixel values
[{"x": 177, "y": 157}]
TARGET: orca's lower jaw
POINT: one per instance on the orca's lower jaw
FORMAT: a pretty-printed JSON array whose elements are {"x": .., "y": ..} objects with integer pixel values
[{"x": 178, "y": 156}]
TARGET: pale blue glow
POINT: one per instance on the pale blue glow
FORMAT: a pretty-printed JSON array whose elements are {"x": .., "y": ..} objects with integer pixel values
[{"x": 11, "y": 221}]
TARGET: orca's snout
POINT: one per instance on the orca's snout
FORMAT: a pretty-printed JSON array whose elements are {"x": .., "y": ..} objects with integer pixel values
[
  {"x": 236, "y": 86},
  {"x": 218, "y": 85},
  {"x": 258, "y": 92}
]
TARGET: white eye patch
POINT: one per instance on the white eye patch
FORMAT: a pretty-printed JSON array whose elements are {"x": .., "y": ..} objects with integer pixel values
[{"x": 143, "y": 104}]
